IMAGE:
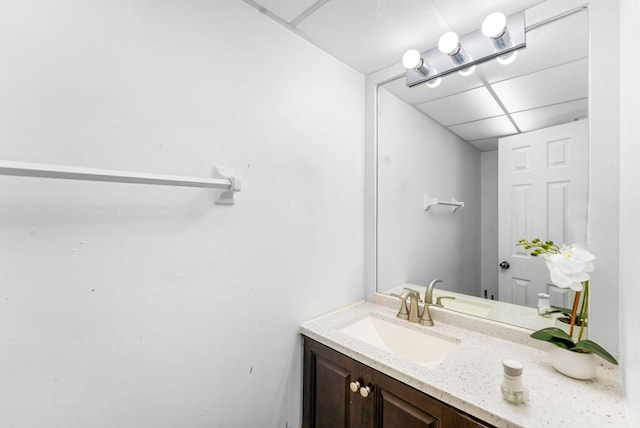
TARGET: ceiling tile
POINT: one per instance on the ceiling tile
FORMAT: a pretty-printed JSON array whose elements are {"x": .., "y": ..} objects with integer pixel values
[
  {"x": 493, "y": 127},
  {"x": 552, "y": 44},
  {"x": 552, "y": 115},
  {"x": 463, "y": 107},
  {"x": 286, "y": 10},
  {"x": 371, "y": 34},
  {"x": 563, "y": 83}
]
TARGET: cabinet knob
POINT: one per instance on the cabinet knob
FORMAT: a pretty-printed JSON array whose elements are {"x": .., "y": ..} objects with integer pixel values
[
  {"x": 365, "y": 391},
  {"x": 354, "y": 386},
  {"x": 504, "y": 265}
]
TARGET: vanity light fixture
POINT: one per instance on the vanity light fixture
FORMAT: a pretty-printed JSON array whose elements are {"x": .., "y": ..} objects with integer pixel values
[{"x": 499, "y": 37}]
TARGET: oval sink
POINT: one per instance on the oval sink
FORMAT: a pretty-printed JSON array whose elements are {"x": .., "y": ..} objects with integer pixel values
[{"x": 417, "y": 345}]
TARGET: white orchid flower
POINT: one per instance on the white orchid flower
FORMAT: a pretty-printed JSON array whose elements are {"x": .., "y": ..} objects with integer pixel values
[{"x": 571, "y": 267}]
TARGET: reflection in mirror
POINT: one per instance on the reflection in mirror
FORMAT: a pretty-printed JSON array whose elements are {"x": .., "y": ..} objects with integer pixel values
[{"x": 444, "y": 143}]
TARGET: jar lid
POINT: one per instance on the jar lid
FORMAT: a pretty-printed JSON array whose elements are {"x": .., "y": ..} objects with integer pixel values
[{"x": 512, "y": 367}]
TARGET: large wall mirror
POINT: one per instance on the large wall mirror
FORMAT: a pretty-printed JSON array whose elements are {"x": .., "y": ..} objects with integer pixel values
[{"x": 456, "y": 142}]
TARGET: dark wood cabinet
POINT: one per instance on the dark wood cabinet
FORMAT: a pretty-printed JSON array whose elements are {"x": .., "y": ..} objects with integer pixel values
[{"x": 340, "y": 392}]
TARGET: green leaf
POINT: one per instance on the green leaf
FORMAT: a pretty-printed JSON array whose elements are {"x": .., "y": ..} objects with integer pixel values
[
  {"x": 554, "y": 335},
  {"x": 591, "y": 346},
  {"x": 552, "y": 331},
  {"x": 560, "y": 338}
]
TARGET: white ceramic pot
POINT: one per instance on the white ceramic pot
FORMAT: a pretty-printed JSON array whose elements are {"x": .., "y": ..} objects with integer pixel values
[{"x": 573, "y": 364}]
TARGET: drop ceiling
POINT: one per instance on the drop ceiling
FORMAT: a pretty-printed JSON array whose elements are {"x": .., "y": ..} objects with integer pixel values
[{"x": 545, "y": 86}]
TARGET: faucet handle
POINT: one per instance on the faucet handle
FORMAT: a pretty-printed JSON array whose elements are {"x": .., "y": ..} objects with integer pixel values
[
  {"x": 426, "y": 319},
  {"x": 439, "y": 299},
  {"x": 403, "y": 313}
]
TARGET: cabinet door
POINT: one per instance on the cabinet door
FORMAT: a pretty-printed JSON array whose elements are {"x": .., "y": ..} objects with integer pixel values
[
  {"x": 327, "y": 399},
  {"x": 465, "y": 421},
  {"x": 399, "y": 405},
  {"x": 396, "y": 412}
]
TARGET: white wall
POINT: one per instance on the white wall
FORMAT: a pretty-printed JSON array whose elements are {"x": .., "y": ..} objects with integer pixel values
[
  {"x": 629, "y": 206},
  {"x": 489, "y": 223},
  {"x": 603, "y": 226},
  {"x": 416, "y": 156},
  {"x": 142, "y": 306}
]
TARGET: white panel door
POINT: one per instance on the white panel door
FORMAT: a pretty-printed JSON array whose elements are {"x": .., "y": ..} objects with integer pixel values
[{"x": 542, "y": 193}]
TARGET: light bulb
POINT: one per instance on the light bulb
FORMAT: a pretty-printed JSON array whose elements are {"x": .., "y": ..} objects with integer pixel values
[
  {"x": 434, "y": 83},
  {"x": 494, "y": 25},
  {"x": 467, "y": 71},
  {"x": 449, "y": 43},
  {"x": 412, "y": 59},
  {"x": 508, "y": 58}
]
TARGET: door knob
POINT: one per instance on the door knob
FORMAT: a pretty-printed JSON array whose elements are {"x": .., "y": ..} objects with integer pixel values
[
  {"x": 365, "y": 391},
  {"x": 354, "y": 386},
  {"x": 504, "y": 265}
]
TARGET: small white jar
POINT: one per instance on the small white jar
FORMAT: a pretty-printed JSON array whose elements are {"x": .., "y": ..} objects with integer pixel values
[
  {"x": 512, "y": 389},
  {"x": 544, "y": 303}
]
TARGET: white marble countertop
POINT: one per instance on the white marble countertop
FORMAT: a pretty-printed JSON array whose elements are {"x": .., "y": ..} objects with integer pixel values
[{"x": 469, "y": 377}]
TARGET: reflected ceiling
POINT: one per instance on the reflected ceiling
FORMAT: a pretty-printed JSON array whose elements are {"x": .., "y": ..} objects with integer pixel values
[{"x": 545, "y": 86}]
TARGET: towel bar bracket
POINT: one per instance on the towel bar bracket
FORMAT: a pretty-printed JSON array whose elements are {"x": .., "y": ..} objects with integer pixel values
[{"x": 226, "y": 198}]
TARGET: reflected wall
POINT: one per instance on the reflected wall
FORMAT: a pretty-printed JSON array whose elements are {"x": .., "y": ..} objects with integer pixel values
[{"x": 416, "y": 155}]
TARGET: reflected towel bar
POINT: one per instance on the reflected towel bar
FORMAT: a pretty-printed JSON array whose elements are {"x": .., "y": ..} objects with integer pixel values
[
  {"x": 429, "y": 202},
  {"x": 224, "y": 178}
]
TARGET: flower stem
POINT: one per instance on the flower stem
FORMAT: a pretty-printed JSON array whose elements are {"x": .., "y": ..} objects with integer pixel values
[
  {"x": 574, "y": 310},
  {"x": 583, "y": 310}
]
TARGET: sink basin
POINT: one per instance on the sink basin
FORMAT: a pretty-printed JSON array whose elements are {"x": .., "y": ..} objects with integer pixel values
[
  {"x": 467, "y": 306},
  {"x": 417, "y": 345}
]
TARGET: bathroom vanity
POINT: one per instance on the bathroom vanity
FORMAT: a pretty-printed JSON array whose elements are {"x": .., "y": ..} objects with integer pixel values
[
  {"x": 364, "y": 367},
  {"x": 340, "y": 392}
]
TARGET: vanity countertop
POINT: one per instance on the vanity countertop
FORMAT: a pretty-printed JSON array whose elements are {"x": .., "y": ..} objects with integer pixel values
[{"x": 469, "y": 378}]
